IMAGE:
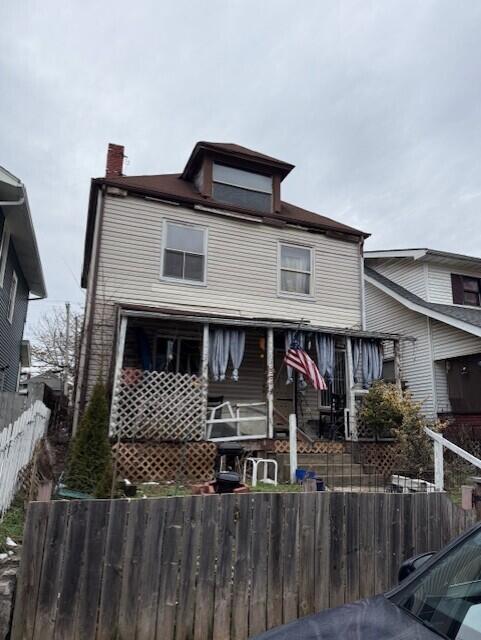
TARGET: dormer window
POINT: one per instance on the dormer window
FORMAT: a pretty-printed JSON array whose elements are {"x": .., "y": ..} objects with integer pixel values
[{"x": 242, "y": 188}]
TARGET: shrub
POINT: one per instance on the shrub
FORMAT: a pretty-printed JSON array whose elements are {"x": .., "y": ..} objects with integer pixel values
[
  {"x": 89, "y": 467},
  {"x": 388, "y": 411}
]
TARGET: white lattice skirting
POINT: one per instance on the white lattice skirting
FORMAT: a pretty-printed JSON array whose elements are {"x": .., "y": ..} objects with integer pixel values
[{"x": 151, "y": 405}]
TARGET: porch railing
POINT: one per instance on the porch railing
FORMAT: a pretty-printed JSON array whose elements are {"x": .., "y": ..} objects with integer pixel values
[{"x": 439, "y": 444}]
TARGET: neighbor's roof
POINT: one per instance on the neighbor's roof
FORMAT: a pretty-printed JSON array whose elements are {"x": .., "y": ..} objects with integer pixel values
[
  {"x": 176, "y": 188},
  {"x": 14, "y": 205},
  {"x": 465, "y": 318},
  {"x": 422, "y": 254}
]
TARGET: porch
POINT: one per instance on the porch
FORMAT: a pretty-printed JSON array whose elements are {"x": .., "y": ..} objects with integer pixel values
[{"x": 181, "y": 378}]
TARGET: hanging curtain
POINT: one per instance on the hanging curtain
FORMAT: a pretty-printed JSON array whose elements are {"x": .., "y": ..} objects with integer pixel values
[
  {"x": 301, "y": 338},
  {"x": 237, "y": 346},
  {"x": 356, "y": 357},
  {"x": 325, "y": 347},
  {"x": 219, "y": 353},
  {"x": 372, "y": 359}
]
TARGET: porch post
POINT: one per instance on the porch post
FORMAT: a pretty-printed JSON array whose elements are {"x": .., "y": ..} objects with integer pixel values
[
  {"x": 351, "y": 427},
  {"x": 397, "y": 363},
  {"x": 270, "y": 382},
  {"x": 119, "y": 359},
  {"x": 205, "y": 374}
]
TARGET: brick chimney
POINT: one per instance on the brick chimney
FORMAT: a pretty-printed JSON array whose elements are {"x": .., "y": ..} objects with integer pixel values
[{"x": 115, "y": 160}]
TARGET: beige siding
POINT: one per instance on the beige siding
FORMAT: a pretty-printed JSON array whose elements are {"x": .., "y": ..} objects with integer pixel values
[
  {"x": 449, "y": 342},
  {"x": 403, "y": 271},
  {"x": 385, "y": 314},
  {"x": 441, "y": 380},
  {"x": 241, "y": 266},
  {"x": 439, "y": 279}
]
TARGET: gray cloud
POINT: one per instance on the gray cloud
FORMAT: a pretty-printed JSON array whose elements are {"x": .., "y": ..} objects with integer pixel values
[{"x": 377, "y": 103}]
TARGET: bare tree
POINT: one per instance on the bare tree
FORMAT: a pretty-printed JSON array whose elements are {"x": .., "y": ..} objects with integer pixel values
[{"x": 54, "y": 345}]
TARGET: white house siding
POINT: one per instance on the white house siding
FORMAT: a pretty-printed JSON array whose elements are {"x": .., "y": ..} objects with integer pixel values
[
  {"x": 439, "y": 282},
  {"x": 449, "y": 342},
  {"x": 442, "y": 395},
  {"x": 383, "y": 313},
  {"x": 242, "y": 271},
  {"x": 403, "y": 271}
]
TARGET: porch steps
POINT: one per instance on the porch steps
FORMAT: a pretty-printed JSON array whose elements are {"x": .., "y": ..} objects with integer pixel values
[{"x": 339, "y": 471}]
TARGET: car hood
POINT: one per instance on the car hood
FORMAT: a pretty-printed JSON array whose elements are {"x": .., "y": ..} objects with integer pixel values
[{"x": 371, "y": 619}]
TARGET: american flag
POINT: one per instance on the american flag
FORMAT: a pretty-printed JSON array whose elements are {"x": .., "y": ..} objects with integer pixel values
[{"x": 298, "y": 359}]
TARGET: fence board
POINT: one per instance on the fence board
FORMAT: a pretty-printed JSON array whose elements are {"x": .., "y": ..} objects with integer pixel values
[
  {"x": 89, "y": 592},
  {"x": 30, "y": 570},
  {"x": 241, "y": 568},
  {"x": 212, "y": 567},
  {"x": 71, "y": 570},
  {"x": 322, "y": 552},
  {"x": 290, "y": 536},
  {"x": 150, "y": 572},
  {"x": 274, "y": 564},
  {"x": 112, "y": 572}
]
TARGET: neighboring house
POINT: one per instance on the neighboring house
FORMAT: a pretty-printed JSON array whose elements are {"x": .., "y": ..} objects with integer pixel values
[
  {"x": 435, "y": 297},
  {"x": 196, "y": 282},
  {"x": 21, "y": 277},
  {"x": 50, "y": 378}
]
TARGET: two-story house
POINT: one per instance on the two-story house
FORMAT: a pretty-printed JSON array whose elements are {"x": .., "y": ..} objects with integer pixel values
[
  {"x": 435, "y": 297},
  {"x": 196, "y": 284},
  {"x": 21, "y": 276}
]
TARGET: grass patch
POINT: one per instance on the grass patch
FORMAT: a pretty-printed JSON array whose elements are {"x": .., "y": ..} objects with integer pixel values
[
  {"x": 12, "y": 523},
  {"x": 262, "y": 487},
  {"x": 162, "y": 490}
]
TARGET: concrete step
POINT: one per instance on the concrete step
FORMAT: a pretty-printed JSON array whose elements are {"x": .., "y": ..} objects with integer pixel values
[{"x": 356, "y": 481}]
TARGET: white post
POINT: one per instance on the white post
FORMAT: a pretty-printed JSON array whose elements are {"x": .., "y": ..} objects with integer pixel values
[
  {"x": 350, "y": 426},
  {"x": 293, "y": 446},
  {"x": 119, "y": 359},
  {"x": 270, "y": 382},
  {"x": 438, "y": 466},
  {"x": 205, "y": 374}
]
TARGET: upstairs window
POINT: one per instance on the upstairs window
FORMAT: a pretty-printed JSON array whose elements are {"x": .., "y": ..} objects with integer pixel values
[
  {"x": 295, "y": 269},
  {"x": 184, "y": 252},
  {"x": 12, "y": 297},
  {"x": 242, "y": 188},
  {"x": 466, "y": 290}
]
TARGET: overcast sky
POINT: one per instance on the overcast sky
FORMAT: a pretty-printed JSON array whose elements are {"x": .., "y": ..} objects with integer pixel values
[{"x": 378, "y": 104}]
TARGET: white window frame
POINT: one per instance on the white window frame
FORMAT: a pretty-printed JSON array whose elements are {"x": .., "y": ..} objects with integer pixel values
[
  {"x": 184, "y": 281},
  {"x": 12, "y": 297},
  {"x": 4, "y": 246},
  {"x": 294, "y": 294}
]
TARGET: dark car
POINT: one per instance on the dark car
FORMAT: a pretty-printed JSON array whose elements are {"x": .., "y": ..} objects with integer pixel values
[{"x": 439, "y": 596}]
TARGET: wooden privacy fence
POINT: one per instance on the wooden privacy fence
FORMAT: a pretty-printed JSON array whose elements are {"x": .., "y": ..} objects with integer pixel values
[{"x": 224, "y": 567}]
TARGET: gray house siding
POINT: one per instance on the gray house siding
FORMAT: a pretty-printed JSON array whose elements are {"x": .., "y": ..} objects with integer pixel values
[{"x": 11, "y": 334}]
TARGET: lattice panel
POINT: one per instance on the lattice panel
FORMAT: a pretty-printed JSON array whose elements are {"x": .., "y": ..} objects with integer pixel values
[
  {"x": 165, "y": 461},
  {"x": 282, "y": 446},
  {"x": 153, "y": 405},
  {"x": 382, "y": 455}
]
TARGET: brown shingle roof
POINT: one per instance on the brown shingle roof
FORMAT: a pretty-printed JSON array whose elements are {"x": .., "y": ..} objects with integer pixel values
[{"x": 172, "y": 186}]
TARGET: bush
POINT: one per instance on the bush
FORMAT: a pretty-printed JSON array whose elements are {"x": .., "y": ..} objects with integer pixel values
[
  {"x": 388, "y": 411},
  {"x": 89, "y": 467}
]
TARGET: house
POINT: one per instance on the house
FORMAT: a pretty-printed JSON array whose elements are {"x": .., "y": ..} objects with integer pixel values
[
  {"x": 21, "y": 278},
  {"x": 196, "y": 284},
  {"x": 435, "y": 297}
]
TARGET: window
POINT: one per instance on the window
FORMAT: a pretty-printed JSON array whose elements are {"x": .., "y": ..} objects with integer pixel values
[
  {"x": 295, "y": 269},
  {"x": 242, "y": 188},
  {"x": 446, "y": 596},
  {"x": 178, "y": 355},
  {"x": 466, "y": 290},
  {"x": 13, "y": 295},
  {"x": 184, "y": 252}
]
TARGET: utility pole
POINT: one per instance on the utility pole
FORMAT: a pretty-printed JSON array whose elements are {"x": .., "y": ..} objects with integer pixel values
[{"x": 66, "y": 355}]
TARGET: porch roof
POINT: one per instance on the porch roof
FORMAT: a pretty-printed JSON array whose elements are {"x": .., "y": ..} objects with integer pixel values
[{"x": 140, "y": 311}]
